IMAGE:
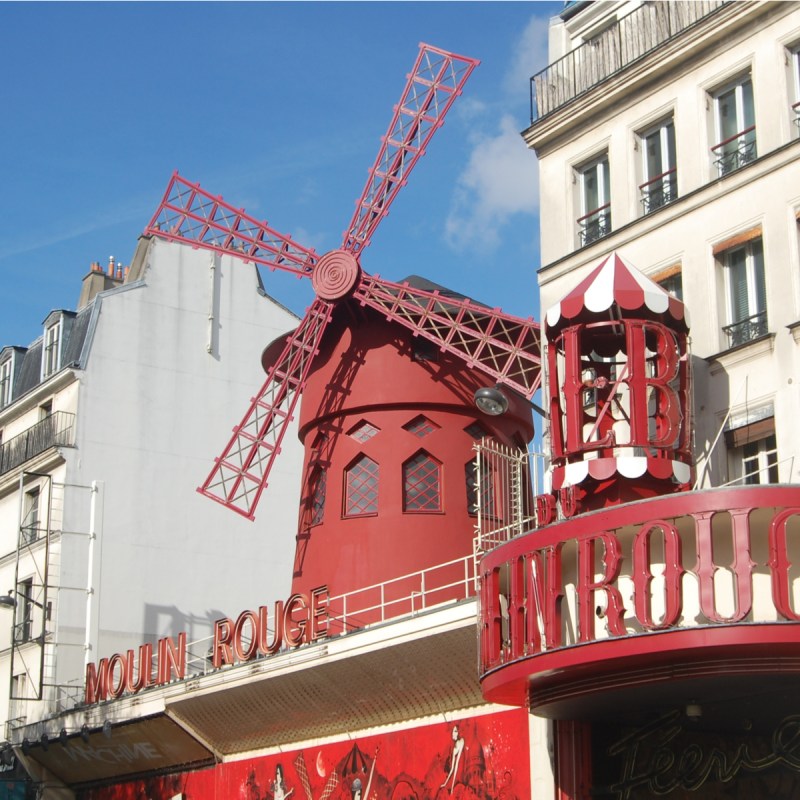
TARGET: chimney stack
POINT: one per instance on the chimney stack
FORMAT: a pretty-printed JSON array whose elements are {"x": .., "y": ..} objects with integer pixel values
[{"x": 99, "y": 280}]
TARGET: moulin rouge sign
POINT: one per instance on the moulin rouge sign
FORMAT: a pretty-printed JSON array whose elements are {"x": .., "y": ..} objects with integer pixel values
[
  {"x": 300, "y": 620},
  {"x": 613, "y": 586}
]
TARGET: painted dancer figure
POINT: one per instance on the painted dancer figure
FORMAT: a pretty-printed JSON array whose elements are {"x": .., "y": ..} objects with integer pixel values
[
  {"x": 454, "y": 760},
  {"x": 279, "y": 785}
]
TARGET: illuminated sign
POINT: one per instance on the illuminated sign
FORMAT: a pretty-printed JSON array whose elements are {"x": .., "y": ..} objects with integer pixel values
[{"x": 302, "y": 619}]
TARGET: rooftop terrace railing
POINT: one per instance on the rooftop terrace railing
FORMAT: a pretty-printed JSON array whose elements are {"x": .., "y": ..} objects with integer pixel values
[{"x": 632, "y": 37}]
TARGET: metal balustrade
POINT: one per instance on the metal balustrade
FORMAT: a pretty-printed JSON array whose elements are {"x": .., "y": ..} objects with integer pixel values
[
  {"x": 659, "y": 191},
  {"x": 747, "y": 329},
  {"x": 55, "y": 430},
  {"x": 735, "y": 151},
  {"x": 595, "y": 224},
  {"x": 634, "y": 36},
  {"x": 405, "y": 596}
]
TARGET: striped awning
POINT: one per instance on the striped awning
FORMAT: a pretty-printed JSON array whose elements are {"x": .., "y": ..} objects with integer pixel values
[{"x": 616, "y": 285}]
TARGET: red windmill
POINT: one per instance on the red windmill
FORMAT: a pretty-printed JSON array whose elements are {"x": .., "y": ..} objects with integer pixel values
[{"x": 503, "y": 347}]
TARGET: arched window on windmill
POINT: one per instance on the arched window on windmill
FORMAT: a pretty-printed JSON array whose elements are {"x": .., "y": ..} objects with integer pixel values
[
  {"x": 422, "y": 483},
  {"x": 361, "y": 487}
]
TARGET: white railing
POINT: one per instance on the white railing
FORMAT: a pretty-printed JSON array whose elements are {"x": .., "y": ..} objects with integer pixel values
[
  {"x": 405, "y": 596},
  {"x": 508, "y": 481}
]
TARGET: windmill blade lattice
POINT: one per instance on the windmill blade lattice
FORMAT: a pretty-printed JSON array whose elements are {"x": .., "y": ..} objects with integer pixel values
[
  {"x": 191, "y": 215},
  {"x": 504, "y": 347},
  {"x": 240, "y": 474},
  {"x": 434, "y": 83}
]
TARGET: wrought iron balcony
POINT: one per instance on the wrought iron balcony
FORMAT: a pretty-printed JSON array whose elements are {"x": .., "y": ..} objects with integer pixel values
[
  {"x": 735, "y": 151},
  {"x": 55, "y": 430},
  {"x": 747, "y": 329},
  {"x": 634, "y": 36},
  {"x": 595, "y": 224},
  {"x": 659, "y": 191},
  {"x": 796, "y": 109}
]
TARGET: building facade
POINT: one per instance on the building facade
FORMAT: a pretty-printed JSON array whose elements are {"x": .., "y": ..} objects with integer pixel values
[
  {"x": 108, "y": 422},
  {"x": 668, "y": 132},
  {"x": 656, "y": 628}
]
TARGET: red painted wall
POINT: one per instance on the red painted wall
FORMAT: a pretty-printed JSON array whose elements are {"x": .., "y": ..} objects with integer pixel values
[
  {"x": 374, "y": 371},
  {"x": 412, "y": 764}
]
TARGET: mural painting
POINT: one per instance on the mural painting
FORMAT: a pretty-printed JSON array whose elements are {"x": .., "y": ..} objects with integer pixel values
[{"x": 478, "y": 758}]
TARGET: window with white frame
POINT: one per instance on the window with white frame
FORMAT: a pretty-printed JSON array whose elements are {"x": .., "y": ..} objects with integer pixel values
[
  {"x": 753, "y": 453},
  {"x": 5, "y": 382},
  {"x": 594, "y": 221},
  {"x": 52, "y": 349},
  {"x": 670, "y": 280},
  {"x": 31, "y": 516},
  {"x": 659, "y": 170},
  {"x": 746, "y": 293},
  {"x": 734, "y": 126}
]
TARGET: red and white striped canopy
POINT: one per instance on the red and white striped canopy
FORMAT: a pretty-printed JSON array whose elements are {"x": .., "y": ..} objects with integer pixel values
[{"x": 615, "y": 282}]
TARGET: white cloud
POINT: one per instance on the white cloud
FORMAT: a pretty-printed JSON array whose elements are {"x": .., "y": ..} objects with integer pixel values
[
  {"x": 528, "y": 55},
  {"x": 501, "y": 179}
]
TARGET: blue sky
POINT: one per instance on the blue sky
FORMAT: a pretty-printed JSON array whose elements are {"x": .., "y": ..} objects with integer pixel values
[{"x": 278, "y": 107}]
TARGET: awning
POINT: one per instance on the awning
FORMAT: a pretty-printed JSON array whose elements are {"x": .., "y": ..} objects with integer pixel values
[
  {"x": 616, "y": 285},
  {"x": 139, "y": 746}
]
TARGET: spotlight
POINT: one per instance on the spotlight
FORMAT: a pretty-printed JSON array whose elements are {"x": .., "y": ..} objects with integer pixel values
[
  {"x": 491, "y": 401},
  {"x": 26, "y": 746},
  {"x": 107, "y": 729},
  {"x": 62, "y": 737},
  {"x": 45, "y": 742},
  {"x": 85, "y": 733}
]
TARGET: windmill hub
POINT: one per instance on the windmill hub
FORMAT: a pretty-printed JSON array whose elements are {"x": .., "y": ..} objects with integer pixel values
[{"x": 335, "y": 275}]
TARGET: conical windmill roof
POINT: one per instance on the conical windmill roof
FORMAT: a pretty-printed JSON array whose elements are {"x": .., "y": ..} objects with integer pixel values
[{"x": 616, "y": 284}]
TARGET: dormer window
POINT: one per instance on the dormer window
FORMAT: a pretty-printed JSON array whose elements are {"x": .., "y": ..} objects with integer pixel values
[
  {"x": 51, "y": 355},
  {"x": 6, "y": 374}
]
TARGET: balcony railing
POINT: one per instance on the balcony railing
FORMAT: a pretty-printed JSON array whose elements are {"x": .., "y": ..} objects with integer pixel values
[
  {"x": 747, "y": 329},
  {"x": 659, "y": 191},
  {"x": 595, "y": 224},
  {"x": 735, "y": 151},
  {"x": 633, "y": 36},
  {"x": 55, "y": 430},
  {"x": 796, "y": 109}
]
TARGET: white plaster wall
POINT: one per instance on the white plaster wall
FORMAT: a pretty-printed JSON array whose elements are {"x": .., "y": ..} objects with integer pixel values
[
  {"x": 710, "y": 211},
  {"x": 155, "y": 409},
  {"x": 760, "y": 47}
]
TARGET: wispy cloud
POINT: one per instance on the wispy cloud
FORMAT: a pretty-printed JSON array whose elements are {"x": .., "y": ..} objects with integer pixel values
[
  {"x": 66, "y": 230},
  {"x": 501, "y": 178},
  {"x": 529, "y": 54}
]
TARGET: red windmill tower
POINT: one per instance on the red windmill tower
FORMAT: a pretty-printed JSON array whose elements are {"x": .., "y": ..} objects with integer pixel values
[{"x": 387, "y": 373}]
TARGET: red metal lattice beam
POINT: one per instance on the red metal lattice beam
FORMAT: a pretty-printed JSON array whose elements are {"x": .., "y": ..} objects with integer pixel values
[
  {"x": 504, "y": 347},
  {"x": 190, "y": 215},
  {"x": 240, "y": 474},
  {"x": 435, "y": 81}
]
